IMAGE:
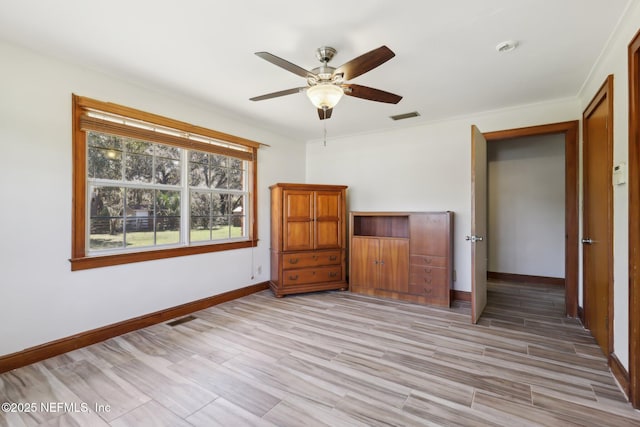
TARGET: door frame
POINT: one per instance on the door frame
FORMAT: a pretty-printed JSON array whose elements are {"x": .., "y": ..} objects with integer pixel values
[
  {"x": 634, "y": 221},
  {"x": 571, "y": 211},
  {"x": 604, "y": 94}
]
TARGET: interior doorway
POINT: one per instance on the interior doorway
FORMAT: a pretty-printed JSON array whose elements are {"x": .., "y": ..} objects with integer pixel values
[
  {"x": 526, "y": 210},
  {"x": 570, "y": 132}
]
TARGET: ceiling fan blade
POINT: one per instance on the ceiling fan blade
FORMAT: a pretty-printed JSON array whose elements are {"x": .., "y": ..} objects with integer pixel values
[
  {"x": 364, "y": 63},
  {"x": 277, "y": 94},
  {"x": 371, "y": 94},
  {"x": 325, "y": 115},
  {"x": 283, "y": 63}
]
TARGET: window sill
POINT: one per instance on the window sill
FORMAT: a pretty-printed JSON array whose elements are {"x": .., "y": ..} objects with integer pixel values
[{"x": 85, "y": 263}]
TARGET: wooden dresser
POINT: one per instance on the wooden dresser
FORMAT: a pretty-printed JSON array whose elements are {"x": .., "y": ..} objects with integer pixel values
[
  {"x": 308, "y": 238},
  {"x": 402, "y": 255}
]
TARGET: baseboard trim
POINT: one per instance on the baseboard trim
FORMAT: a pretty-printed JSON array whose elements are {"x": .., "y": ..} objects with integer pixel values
[
  {"x": 460, "y": 295},
  {"x": 620, "y": 373},
  {"x": 83, "y": 339},
  {"x": 523, "y": 278}
]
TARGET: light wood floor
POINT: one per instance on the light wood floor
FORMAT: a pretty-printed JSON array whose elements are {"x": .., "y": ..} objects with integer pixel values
[{"x": 335, "y": 359}]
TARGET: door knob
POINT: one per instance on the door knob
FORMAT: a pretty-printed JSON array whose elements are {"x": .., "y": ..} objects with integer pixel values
[
  {"x": 587, "y": 241},
  {"x": 474, "y": 239}
]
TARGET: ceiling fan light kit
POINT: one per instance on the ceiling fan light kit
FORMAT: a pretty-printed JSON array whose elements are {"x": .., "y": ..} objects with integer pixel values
[
  {"x": 326, "y": 85},
  {"x": 325, "y": 95}
]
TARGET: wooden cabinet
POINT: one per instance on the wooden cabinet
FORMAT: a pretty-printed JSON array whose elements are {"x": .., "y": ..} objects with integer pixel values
[
  {"x": 402, "y": 255},
  {"x": 308, "y": 238},
  {"x": 379, "y": 263}
]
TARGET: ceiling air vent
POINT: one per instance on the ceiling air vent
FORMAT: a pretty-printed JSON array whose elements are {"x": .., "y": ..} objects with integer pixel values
[{"x": 405, "y": 116}]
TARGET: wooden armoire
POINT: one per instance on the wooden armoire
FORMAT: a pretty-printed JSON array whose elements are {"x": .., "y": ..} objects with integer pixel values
[{"x": 308, "y": 238}]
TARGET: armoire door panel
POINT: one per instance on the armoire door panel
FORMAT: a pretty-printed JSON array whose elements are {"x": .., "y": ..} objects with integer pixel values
[
  {"x": 298, "y": 205},
  {"x": 364, "y": 262},
  {"x": 328, "y": 205},
  {"x": 394, "y": 265},
  {"x": 298, "y": 236},
  {"x": 433, "y": 226},
  {"x": 328, "y": 235}
]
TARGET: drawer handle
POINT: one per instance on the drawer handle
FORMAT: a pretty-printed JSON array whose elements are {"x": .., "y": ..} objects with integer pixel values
[
  {"x": 333, "y": 274},
  {"x": 427, "y": 270},
  {"x": 427, "y": 280},
  {"x": 333, "y": 258},
  {"x": 315, "y": 257},
  {"x": 293, "y": 277},
  {"x": 293, "y": 260}
]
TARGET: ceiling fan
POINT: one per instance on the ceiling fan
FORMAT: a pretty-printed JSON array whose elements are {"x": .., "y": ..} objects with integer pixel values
[{"x": 326, "y": 85}]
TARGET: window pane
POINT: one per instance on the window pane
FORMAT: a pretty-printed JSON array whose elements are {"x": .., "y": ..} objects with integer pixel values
[
  {"x": 104, "y": 163},
  {"x": 167, "y": 152},
  {"x": 200, "y": 216},
  {"x": 198, "y": 169},
  {"x": 167, "y": 217},
  {"x": 139, "y": 217},
  {"x": 220, "y": 178},
  {"x": 198, "y": 157},
  {"x": 221, "y": 228},
  {"x": 138, "y": 168},
  {"x": 236, "y": 181},
  {"x": 220, "y": 204},
  {"x": 218, "y": 160},
  {"x": 139, "y": 147},
  {"x": 199, "y": 175},
  {"x": 103, "y": 140},
  {"x": 105, "y": 221},
  {"x": 237, "y": 216},
  {"x": 236, "y": 163},
  {"x": 167, "y": 171}
]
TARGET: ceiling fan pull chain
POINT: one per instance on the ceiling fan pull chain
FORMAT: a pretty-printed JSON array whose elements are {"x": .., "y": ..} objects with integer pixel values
[{"x": 325, "y": 126}]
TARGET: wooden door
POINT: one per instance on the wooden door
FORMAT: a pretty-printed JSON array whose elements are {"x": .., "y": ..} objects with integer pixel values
[
  {"x": 478, "y": 223},
  {"x": 634, "y": 221},
  {"x": 298, "y": 220},
  {"x": 328, "y": 219},
  {"x": 393, "y": 264},
  {"x": 597, "y": 235},
  {"x": 364, "y": 263}
]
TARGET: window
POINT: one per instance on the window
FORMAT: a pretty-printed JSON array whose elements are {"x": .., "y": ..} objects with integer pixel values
[{"x": 148, "y": 187}]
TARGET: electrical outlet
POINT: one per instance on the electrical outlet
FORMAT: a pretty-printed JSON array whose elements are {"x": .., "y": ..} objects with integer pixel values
[
  {"x": 454, "y": 275},
  {"x": 259, "y": 269}
]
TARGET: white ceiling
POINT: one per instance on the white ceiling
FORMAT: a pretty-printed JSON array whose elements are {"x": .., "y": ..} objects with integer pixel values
[{"x": 446, "y": 63}]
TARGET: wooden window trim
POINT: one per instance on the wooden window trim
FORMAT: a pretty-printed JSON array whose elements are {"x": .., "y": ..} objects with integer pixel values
[{"x": 79, "y": 259}]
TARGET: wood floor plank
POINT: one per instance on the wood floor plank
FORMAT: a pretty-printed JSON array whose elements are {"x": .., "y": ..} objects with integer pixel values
[{"x": 337, "y": 359}]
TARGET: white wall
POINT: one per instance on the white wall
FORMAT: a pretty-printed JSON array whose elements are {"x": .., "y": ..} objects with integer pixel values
[
  {"x": 422, "y": 168},
  {"x": 614, "y": 61},
  {"x": 526, "y": 204},
  {"x": 40, "y": 298}
]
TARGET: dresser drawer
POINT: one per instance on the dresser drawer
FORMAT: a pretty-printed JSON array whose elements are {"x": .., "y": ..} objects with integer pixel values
[
  {"x": 427, "y": 275},
  {"x": 435, "y": 294},
  {"x": 311, "y": 275},
  {"x": 310, "y": 259},
  {"x": 426, "y": 260}
]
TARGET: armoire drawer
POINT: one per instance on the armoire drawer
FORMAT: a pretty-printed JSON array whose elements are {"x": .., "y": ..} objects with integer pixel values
[
  {"x": 311, "y": 275},
  {"x": 427, "y": 275},
  {"x": 310, "y": 259},
  {"x": 435, "y": 294},
  {"x": 428, "y": 260}
]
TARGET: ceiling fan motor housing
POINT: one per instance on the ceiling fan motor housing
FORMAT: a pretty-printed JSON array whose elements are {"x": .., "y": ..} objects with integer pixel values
[{"x": 325, "y": 53}]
